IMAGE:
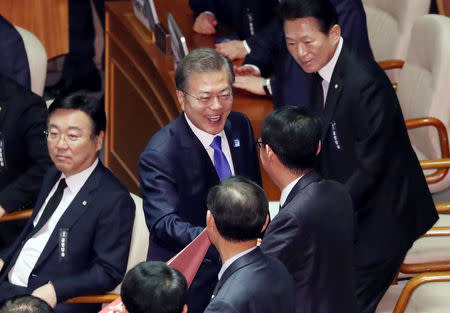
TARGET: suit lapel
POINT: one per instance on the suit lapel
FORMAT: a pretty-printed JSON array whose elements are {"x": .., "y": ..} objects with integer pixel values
[
  {"x": 241, "y": 262},
  {"x": 334, "y": 91},
  {"x": 76, "y": 209},
  {"x": 234, "y": 144},
  {"x": 307, "y": 179}
]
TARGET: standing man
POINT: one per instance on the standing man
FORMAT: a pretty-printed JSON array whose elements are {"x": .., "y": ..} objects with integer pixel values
[
  {"x": 76, "y": 242},
  {"x": 249, "y": 281},
  {"x": 204, "y": 145},
  {"x": 365, "y": 145},
  {"x": 23, "y": 153},
  {"x": 312, "y": 234}
]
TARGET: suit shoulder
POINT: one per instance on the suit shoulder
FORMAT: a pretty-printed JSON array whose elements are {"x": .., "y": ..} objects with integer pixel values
[{"x": 14, "y": 92}]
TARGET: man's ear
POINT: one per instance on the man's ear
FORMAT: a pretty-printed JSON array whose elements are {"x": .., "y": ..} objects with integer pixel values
[
  {"x": 319, "y": 147},
  {"x": 181, "y": 98},
  {"x": 335, "y": 33},
  {"x": 266, "y": 223},
  {"x": 99, "y": 140},
  {"x": 185, "y": 309}
]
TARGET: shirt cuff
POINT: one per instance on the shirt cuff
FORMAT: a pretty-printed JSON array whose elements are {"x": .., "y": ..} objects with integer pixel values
[{"x": 247, "y": 47}]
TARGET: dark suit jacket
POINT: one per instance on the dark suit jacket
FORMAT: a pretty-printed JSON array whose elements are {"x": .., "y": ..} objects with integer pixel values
[
  {"x": 254, "y": 283},
  {"x": 291, "y": 85},
  {"x": 23, "y": 118},
  {"x": 312, "y": 235},
  {"x": 99, "y": 222},
  {"x": 176, "y": 175},
  {"x": 235, "y": 13},
  {"x": 13, "y": 57},
  {"x": 365, "y": 145}
]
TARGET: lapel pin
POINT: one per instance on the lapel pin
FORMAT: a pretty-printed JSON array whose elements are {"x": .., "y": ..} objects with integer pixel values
[
  {"x": 212, "y": 297},
  {"x": 237, "y": 142},
  {"x": 0, "y": 108},
  {"x": 336, "y": 86},
  {"x": 84, "y": 203}
]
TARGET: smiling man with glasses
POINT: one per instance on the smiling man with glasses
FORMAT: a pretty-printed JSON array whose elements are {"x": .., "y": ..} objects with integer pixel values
[
  {"x": 201, "y": 147},
  {"x": 77, "y": 240}
]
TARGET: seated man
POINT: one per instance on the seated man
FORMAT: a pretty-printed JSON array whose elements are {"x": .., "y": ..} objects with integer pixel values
[
  {"x": 77, "y": 240},
  {"x": 249, "y": 281},
  {"x": 204, "y": 145},
  {"x": 154, "y": 287},
  {"x": 23, "y": 152},
  {"x": 244, "y": 17},
  {"x": 313, "y": 232},
  {"x": 365, "y": 145},
  {"x": 25, "y": 304}
]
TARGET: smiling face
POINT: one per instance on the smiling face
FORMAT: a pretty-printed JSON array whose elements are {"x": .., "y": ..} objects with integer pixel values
[
  {"x": 210, "y": 117},
  {"x": 70, "y": 144},
  {"x": 308, "y": 45}
]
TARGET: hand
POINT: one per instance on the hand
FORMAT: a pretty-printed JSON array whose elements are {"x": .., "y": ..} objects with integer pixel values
[
  {"x": 47, "y": 293},
  {"x": 246, "y": 70},
  {"x": 1, "y": 264},
  {"x": 2, "y": 211},
  {"x": 252, "y": 84},
  {"x": 205, "y": 24},
  {"x": 233, "y": 49}
]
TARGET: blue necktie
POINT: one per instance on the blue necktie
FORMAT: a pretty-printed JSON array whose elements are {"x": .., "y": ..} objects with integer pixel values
[{"x": 220, "y": 161}]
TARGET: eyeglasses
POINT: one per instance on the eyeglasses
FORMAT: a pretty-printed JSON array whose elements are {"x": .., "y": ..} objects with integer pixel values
[
  {"x": 224, "y": 98},
  {"x": 260, "y": 143},
  {"x": 55, "y": 136}
]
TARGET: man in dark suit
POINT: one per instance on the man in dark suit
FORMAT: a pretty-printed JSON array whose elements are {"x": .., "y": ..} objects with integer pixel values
[
  {"x": 313, "y": 232},
  {"x": 13, "y": 57},
  {"x": 365, "y": 146},
  {"x": 290, "y": 84},
  {"x": 180, "y": 165},
  {"x": 154, "y": 287},
  {"x": 245, "y": 17},
  {"x": 23, "y": 153},
  {"x": 249, "y": 281},
  {"x": 77, "y": 240}
]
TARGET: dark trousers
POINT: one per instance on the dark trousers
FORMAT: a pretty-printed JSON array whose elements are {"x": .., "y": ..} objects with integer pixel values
[{"x": 373, "y": 280}]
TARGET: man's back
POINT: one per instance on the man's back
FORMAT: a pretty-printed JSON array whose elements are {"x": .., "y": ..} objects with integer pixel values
[
  {"x": 313, "y": 236},
  {"x": 254, "y": 283}
]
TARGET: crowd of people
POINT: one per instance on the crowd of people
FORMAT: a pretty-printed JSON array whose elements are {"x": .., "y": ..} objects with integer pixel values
[{"x": 353, "y": 195}]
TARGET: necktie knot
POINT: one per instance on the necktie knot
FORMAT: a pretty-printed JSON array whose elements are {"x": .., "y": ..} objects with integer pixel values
[
  {"x": 62, "y": 185},
  {"x": 216, "y": 144}
]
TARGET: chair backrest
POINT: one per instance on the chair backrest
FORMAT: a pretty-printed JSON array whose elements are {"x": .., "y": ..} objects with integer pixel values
[
  {"x": 423, "y": 88},
  {"x": 443, "y": 7},
  {"x": 139, "y": 238},
  {"x": 37, "y": 60},
  {"x": 389, "y": 24}
]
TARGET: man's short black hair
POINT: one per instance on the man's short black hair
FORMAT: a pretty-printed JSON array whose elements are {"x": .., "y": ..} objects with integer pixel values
[
  {"x": 294, "y": 136},
  {"x": 93, "y": 107},
  {"x": 239, "y": 207},
  {"x": 154, "y": 287},
  {"x": 25, "y": 304},
  {"x": 322, "y": 10}
]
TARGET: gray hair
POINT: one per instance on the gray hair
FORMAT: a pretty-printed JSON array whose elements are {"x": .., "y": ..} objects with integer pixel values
[{"x": 202, "y": 60}]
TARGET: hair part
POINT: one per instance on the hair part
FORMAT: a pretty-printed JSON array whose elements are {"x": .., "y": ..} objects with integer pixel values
[
  {"x": 25, "y": 304},
  {"x": 202, "y": 60},
  {"x": 293, "y": 136},
  {"x": 154, "y": 287},
  {"x": 239, "y": 207},
  {"x": 322, "y": 10},
  {"x": 93, "y": 107}
]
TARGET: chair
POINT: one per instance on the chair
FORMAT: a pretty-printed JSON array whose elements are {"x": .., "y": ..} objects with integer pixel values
[
  {"x": 427, "y": 292},
  {"x": 138, "y": 248},
  {"x": 423, "y": 91},
  {"x": 37, "y": 60}
]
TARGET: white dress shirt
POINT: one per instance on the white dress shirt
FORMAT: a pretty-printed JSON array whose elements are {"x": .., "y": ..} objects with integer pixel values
[
  {"x": 31, "y": 251},
  {"x": 327, "y": 71},
  {"x": 287, "y": 190},
  {"x": 232, "y": 259},
  {"x": 206, "y": 139}
]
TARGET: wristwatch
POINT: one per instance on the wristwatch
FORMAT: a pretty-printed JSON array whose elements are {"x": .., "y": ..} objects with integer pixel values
[{"x": 266, "y": 86}]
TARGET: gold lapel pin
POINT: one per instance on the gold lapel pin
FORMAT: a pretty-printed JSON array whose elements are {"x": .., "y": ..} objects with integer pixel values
[
  {"x": 336, "y": 86},
  {"x": 84, "y": 203},
  {"x": 0, "y": 108}
]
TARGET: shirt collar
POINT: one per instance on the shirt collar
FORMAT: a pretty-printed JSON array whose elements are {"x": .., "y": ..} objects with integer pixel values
[
  {"x": 204, "y": 137},
  {"x": 287, "y": 190},
  {"x": 76, "y": 181},
  {"x": 232, "y": 259},
  {"x": 327, "y": 71}
]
